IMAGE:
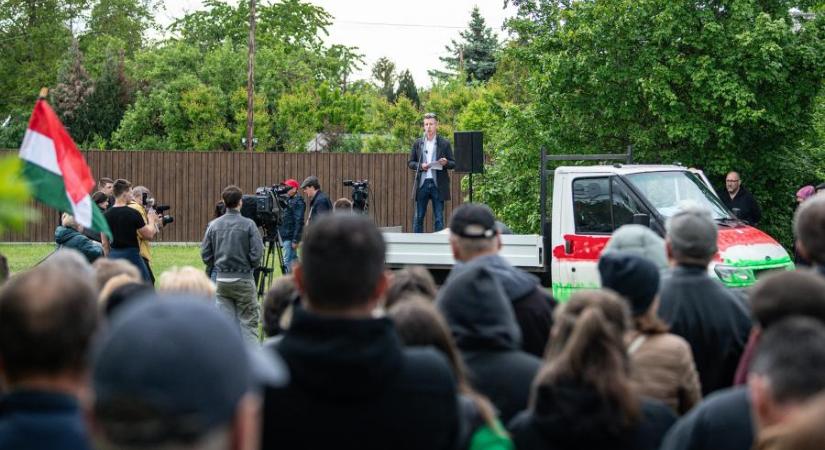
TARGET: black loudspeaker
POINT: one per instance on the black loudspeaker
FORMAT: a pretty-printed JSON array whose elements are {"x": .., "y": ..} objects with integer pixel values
[{"x": 469, "y": 151}]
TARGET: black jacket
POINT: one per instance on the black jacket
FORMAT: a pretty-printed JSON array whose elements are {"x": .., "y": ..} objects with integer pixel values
[
  {"x": 485, "y": 330},
  {"x": 532, "y": 305},
  {"x": 721, "y": 421},
  {"x": 442, "y": 178},
  {"x": 318, "y": 206},
  {"x": 569, "y": 416},
  {"x": 38, "y": 420},
  {"x": 713, "y": 320},
  {"x": 354, "y": 386},
  {"x": 293, "y": 224},
  {"x": 749, "y": 210}
]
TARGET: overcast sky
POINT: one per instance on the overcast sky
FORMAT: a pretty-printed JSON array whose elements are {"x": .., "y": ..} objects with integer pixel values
[{"x": 411, "y": 33}]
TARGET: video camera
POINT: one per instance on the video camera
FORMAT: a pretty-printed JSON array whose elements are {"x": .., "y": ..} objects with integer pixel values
[
  {"x": 360, "y": 194},
  {"x": 150, "y": 203},
  {"x": 266, "y": 208}
]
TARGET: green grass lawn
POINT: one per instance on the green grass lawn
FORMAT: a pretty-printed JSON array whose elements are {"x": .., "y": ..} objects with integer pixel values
[{"x": 25, "y": 256}]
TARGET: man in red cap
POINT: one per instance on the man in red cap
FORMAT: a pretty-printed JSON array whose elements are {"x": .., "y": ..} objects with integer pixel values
[{"x": 293, "y": 224}]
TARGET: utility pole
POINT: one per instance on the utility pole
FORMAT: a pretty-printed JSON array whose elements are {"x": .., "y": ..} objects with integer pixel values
[{"x": 250, "y": 78}]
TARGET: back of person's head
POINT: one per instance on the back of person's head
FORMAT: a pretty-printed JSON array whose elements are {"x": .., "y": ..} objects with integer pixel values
[
  {"x": 232, "y": 196},
  {"x": 803, "y": 431},
  {"x": 587, "y": 349},
  {"x": 691, "y": 236},
  {"x": 106, "y": 269},
  {"x": 640, "y": 240},
  {"x": 174, "y": 373},
  {"x": 71, "y": 263},
  {"x": 478, "y": 311},
  {"x": 415, "y": 280},
  {"x": 342, "y": 205},
  {"x": 120, "y": 187},
  {"x": 784, "y": 294},
  {"x": 120, "y": 291},
  {"x": 220, "y": 209},
  {"x": 636, "y": 279},
  {"x": 99, "y": 197},
  {"x": 809, "y": 227},
  {"x": 186, "y": 279},
  {"x": 788, "y": 368},
  {"x": 473, "y": 230},
  {"x": 67, "y": 220},
  {"x": 419, "y": 324},
  {"x": 282, "y": 296},
  {"x": 47, "y": 320},
  {"x": 342, "y": 263}
]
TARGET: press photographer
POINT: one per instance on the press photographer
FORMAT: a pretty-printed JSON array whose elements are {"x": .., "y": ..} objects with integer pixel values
[
  {"x": 360, "y": 194},
  {"x": 293, "y": 224},
  {"x": 143, "y": 202}
]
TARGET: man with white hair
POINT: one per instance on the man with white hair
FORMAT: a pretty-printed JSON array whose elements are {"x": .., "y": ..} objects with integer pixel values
[{"x": 699, "y": 308}]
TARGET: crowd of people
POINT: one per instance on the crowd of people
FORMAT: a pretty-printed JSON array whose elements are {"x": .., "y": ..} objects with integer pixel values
[{"x": 342, "y": 352}]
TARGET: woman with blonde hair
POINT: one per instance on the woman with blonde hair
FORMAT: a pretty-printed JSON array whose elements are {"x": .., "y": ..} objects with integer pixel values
[
  {"x": 186, "y": 280},
  {"x": 583, "y": 396}
]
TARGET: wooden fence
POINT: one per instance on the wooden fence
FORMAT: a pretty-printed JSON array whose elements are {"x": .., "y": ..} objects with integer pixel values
[{"x": 191, "y": 182}]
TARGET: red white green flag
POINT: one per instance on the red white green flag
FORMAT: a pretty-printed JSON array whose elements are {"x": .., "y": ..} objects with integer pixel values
[{"x": 56, "y": 171}]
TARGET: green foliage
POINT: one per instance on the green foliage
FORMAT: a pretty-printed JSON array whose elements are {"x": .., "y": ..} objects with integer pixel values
[
  {"x": 406, "y": 87},
  {"x": 124, "y": 20},
  {"x": 73, "y": 88},
  {"x": 103, "y": 110},
  {"x": 14, "y": 196},
  {"x": 383, "y": 72},
  {"x": 707, "y": 86},
  {"x": 474, "y": 57}
]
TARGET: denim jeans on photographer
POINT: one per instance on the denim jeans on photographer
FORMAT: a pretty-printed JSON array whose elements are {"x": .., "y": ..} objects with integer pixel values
[
  {"x": 290, "y": 255},
  {"x": 426, "y": 192}
]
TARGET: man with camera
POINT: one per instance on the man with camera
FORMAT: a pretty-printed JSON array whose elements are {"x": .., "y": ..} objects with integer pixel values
[
  {"x": 233, "y": 246},
  {"x": 319, "y": 203},
  {"x": 293, "y": 224},
  {"x": 130, "y": 226},
  {"x": 431, "y": 157},
  {"x": 141, "y": 202}
]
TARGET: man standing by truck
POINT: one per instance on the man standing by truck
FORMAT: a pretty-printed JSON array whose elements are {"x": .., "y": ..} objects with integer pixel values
[
  {"x": 740, "y": 201},
  {"x": 430, "y": 157}
]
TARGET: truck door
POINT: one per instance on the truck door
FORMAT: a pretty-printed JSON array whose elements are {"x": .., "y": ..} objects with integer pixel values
[{"x": 596, "y": 206}]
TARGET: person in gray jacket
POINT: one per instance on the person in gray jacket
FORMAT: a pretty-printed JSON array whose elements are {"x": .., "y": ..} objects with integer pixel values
[{"x": 233, "y": 246}]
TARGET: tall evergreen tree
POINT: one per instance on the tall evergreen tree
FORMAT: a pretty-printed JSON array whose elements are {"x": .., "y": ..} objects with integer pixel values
[
  {"x": 474, "y": 55},
  {"x": 406, "y": 87},
  {"x": 105, "y": 107},
  {"x": 74, "y": 86},
  {"x": 383, "y": 71}
]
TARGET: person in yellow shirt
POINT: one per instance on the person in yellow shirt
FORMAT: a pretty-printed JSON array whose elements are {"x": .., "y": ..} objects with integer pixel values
[{"x": 143, "y": 243}]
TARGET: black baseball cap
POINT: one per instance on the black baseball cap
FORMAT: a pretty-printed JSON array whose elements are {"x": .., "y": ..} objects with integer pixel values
[
  {"x": 179, "y": 366},
  {"x": 473, "y": 221}
]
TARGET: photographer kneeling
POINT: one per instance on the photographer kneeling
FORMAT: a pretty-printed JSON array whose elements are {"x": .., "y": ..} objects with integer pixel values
[{"x": 127, "y": 223}]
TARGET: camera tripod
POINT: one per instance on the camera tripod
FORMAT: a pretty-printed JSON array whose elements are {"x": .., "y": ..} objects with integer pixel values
[{"x": 273, "y": 244}]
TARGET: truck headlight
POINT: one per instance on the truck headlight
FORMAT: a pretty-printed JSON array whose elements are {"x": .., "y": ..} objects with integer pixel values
[{"x": 734, "y": 275}]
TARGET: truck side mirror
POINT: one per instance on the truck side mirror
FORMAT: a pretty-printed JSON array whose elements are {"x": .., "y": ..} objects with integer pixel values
[{"x": 641, "y": 219}]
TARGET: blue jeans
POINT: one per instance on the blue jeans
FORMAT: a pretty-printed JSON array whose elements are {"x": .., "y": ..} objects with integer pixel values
[
  {"x": 132, "y": 254},
  {"x": 290, "y": 256},
  {"x": 426, "y": 192}
]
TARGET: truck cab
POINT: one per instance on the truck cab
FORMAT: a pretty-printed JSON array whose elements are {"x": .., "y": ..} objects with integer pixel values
[{"x": 590, "y": 202}]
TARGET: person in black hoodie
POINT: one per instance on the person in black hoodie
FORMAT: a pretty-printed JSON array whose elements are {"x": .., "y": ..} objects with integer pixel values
[
  {"x": 583, "y": 398},
  {"x": 475, "y": 241},
  {"x": 482, "y": 323},
  {"x": 353, "y": 385}
]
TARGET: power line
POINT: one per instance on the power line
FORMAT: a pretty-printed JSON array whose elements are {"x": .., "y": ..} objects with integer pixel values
[{"x": 410, "y": 25}]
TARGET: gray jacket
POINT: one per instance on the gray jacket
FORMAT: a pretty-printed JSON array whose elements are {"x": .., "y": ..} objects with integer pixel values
[{"x": 232, "y": 245}]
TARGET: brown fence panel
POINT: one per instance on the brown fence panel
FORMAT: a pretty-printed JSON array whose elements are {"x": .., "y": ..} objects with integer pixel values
[{"x": 191, "y": 182}]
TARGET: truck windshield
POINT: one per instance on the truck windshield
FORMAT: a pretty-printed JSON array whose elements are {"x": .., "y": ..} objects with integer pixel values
[{"x": 669, "y": 191}]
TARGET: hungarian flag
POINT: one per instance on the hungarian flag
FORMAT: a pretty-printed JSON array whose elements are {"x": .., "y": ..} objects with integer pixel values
[{"x": 56, "y": 171}]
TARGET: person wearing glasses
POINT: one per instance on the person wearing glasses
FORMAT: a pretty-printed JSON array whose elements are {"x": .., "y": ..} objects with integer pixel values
[
  {"x": 431, "y": 157},
  {"x": 740, "y": 201}
]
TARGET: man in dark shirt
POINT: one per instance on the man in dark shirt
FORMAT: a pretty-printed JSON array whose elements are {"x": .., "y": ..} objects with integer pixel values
[
  {"x": 319, "y": 203},
  {"x": 47, "y": 319},
  {"x": 740, "y": 200},
  {"x": 352, "y": 383},
  {"x": 125, "y": 224},
  {"x": 293, "y": 224}
]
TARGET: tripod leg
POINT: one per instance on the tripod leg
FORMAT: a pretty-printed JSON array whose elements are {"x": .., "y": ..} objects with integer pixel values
[{"x": 279, "y": 246}]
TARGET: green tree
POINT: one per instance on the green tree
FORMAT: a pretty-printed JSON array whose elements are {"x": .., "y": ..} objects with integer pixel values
[
  {"x": 406, "y": 87},
  {"x": 705, "y": 84},
  {"x": 125, "y": 20},
  {"x": 112, "y": 95},
  {"x": 73, "y": 89},
  {"x": 383, "y": 72},
  {"x": 474, "y": 55}
]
